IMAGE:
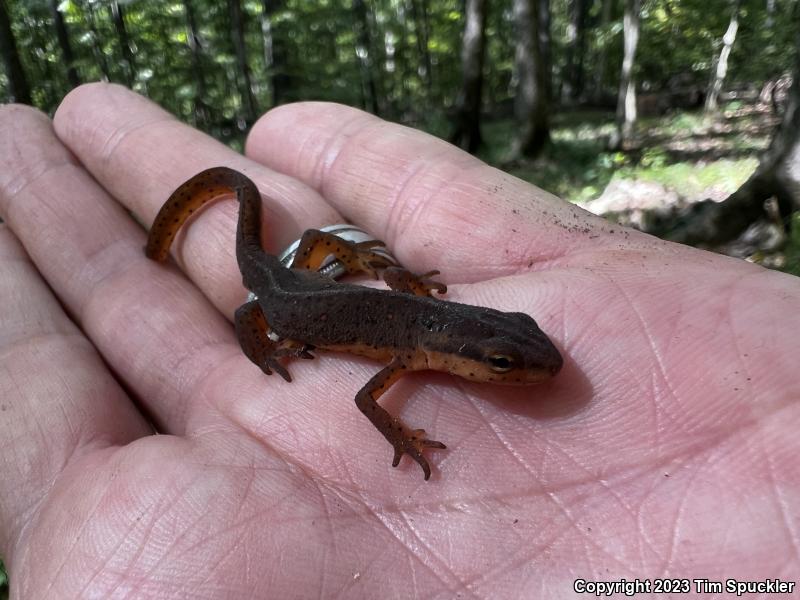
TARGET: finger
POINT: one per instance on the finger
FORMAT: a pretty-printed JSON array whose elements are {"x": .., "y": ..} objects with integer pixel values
[
  {"x": 156, "y": 330},
  {"x": 432, "y": 203},
  {"x": 140, "y": 154},
  {"x": 56, "y": 397}
]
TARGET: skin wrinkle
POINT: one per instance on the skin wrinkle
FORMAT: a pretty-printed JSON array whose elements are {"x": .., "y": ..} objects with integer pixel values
[
  {"x": 188, "y": 367},
  {"x": 522, "y": 556},
  {"x": 402, "y": 219},
  {"x": 20, "y": 169},
  {"x": 782, "y": 504},
  {"x": 524, "y": 553},
  {"x": 658, "y": 361},
  {"x": 606, "y": 487},
  {"x": 605, "y": 484},
  {"x": 656, "y": 354},
  {"x": 527, "y": 468},
  {"x": 9, "y": 196},
  {"x": 123, "y": 539},
  {"x": 680, "y": 516},
  {"x": 666, "y": 558},
  {"x": 102, "y": 260},
  {"x": 166, "y": 501},
  {"x": 319, "y": 173},
  {"x": 441, "y": 566},
  {"x": 190, "y": 387},
  {"x": 81, "y": 442},
  {"x": 328, "y": 520},
  {"x": 114, "y": 141},
  {"x": 219, "y": 567},
  {"x": 70, "y": 553},
  {"x": 396, "y": 533},
  {"x": 101, "y": 291}
]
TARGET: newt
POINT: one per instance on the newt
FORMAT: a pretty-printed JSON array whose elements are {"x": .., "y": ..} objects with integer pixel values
[{"x": 298, "y": 310}]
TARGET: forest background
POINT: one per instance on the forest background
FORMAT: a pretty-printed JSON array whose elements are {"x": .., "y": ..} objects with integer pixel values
[
  {"x": 679, "y": 117},
  {"x": 675, "y": 116}
]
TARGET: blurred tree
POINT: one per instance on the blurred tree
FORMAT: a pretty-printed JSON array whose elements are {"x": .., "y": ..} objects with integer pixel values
[
  {"x": 62, "y": 34},
  {"x": 364, "y": 50},
  {"x": 20, "y": 90},
  {"x": 715, "y": 84},
  {"x": 532, "y": 104},
  {"x": 602, "y": 52},
  {"x": 240, "y": 48},
  {"x": 626, "y": 100},
  {"x": 274, "y": 40},
  {"x": 200, "y": 110},
  {"x": 467, "y": 129},
  {"x": 572, "y": 83},
  {"x": 95, "y": 38},
  {"x": 419, "y": 14},
  {"x": 545, "y": 48},
  {"x": 118, "y": 17}
]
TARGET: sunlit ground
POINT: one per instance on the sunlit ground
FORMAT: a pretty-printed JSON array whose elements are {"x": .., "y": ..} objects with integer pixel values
[
  {"x": 688, "y": 153},
  {"x": 679, "y": 158}
]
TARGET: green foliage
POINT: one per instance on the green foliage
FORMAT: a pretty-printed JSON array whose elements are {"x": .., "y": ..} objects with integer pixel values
[
  {"x": 792, "y": 250},
  {"x": 322, "y": 54},
  {"x": 3, "y": 582}
]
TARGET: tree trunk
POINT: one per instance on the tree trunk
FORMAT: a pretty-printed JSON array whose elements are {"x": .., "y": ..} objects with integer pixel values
[
  {"x": 769, "y": 22},
  {"x": 239, "y": 45},
  {"x": 200, "y": 110},
  {"x": 118, "y": 17},
  {"x": 467, "y": 127},
  {"x": 572, "y": 84},
  {"x": 419, "y": 14},
  {"x": 276, "y": 53},
  {"x": 626, "y": 100},
  {"x": 531, "y": 102},
  {"x": 602, "y": 51},
  {"x": 20, "y": 90},
  {"x": 545, "y": 52},
  {"x": 63, "y": 42},
  {"x": 777, "y": 175},
  {"x": 397, "y": 66},
  {"x": 712, "y": 97},
  {"x": 364, "y": 51}
]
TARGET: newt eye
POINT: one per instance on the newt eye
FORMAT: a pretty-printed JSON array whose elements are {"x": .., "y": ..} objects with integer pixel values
[{"x": 500, "y": 363}]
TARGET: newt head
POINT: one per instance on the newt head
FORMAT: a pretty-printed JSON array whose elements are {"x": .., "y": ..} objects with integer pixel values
[{"x": 482, "y": 344}]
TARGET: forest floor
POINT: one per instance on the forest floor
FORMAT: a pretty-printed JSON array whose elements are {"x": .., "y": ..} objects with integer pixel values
[
  {"x": 676, "y": 160},
  {"x": 688, "y": 153}
]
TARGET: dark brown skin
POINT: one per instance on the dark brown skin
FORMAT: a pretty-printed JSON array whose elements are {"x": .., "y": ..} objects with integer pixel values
[{"x": 405, "y": 327}]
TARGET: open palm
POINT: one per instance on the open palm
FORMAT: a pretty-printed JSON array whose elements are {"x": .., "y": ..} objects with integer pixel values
[{"x": 666, "y": 447}]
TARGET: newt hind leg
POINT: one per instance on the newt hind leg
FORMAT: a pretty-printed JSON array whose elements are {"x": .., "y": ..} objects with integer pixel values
[
  {"x": 403, "y": 440},
  {"x": 252, "y": 331},
  {"x": 358, "y": 257}
]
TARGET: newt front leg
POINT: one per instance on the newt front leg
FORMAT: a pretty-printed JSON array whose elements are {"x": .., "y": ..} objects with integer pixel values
[{"x": 402, "y": 439}]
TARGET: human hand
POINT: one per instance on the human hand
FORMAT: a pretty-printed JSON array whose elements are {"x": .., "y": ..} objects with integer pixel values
[{"x": 666, "y": 447}]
